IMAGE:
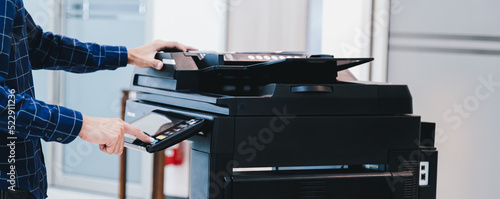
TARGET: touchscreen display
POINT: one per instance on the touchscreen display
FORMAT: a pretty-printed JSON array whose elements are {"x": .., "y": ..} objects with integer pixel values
[
  {"x": 166, "y": 128},
  {"x": 152, "y": 123}
]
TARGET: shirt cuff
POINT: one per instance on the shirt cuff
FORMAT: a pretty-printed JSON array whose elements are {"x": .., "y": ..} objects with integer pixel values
[
  {"x": 115, "y": 56},
  {"x": 123, "y": 56},
  {"x": 69, "y": 126}
]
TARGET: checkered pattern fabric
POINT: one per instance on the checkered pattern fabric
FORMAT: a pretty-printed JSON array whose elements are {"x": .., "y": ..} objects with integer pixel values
[{"x": 24, "y": 47}]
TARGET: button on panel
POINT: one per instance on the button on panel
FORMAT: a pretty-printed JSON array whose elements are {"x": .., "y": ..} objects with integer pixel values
[{"x": 161, "y": 137}]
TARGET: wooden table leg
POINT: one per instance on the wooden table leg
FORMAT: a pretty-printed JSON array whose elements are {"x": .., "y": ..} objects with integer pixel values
[
  {"x": 123, "y": 157},
  {"x": 158, "y": 174},
  {"x": 123, "y": 174}
]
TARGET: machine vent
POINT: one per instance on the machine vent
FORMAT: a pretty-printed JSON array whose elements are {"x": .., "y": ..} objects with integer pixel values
[
  {"x": 411, "y": 184},
  {"x": 312, "y": 189}
]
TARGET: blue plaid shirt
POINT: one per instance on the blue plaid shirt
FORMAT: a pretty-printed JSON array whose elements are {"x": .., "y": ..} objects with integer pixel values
[{"x": 24, "y": 47}]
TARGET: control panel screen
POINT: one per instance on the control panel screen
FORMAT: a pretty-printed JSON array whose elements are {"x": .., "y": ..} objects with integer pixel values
[{"x": 166, "y": 128}]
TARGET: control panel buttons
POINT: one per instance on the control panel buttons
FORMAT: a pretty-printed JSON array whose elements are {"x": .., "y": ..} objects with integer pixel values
[{"x": 161, "y": 137}]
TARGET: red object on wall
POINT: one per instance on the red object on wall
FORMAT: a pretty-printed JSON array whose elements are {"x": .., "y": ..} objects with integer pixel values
[{"x": 176, "y": 156}]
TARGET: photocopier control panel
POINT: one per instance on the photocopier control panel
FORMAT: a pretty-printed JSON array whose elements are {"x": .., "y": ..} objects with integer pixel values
[{"x": 169, "y": 130}]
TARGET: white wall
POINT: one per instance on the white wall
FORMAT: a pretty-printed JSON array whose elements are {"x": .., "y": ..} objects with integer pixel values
[
  {"x": 346, "y": 31},
  {"x": 447, "y": 51},
  {"x": 198, "y": 23},
  {"x": 262, "y": 25}
]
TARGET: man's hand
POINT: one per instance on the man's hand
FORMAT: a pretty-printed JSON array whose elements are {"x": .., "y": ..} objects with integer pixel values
[
  {"x": 108, "y": 133},
  {"x": 144, "y": 56}
]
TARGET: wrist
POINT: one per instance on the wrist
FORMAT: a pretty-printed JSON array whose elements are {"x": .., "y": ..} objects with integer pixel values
[
  {"x": 84, "y": 126},
  {"x": 131, "y": 57}
]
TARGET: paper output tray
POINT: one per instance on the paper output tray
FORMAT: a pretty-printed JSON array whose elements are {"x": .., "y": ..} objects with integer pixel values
[
  {"x": 296, "y": 65},
  {"x": 292, "y": 70}
]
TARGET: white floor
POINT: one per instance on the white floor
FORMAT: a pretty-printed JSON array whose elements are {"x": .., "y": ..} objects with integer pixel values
[{"x": 64, "y": 193}]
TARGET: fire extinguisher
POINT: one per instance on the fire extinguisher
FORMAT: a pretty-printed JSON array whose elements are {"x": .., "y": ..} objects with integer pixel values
[{"x": 175, "y": 155}]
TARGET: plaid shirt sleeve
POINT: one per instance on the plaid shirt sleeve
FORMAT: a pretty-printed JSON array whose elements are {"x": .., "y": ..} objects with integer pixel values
[
  {"x": 33, "y": 118},
  {"x": 56, "y": 52}
]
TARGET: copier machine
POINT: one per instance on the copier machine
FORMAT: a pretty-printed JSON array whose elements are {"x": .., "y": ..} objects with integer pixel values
[{"x": 280, "y": 125}]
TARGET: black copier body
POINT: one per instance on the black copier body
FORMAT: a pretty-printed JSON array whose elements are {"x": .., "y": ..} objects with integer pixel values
[{"x": 281, "y": 125}]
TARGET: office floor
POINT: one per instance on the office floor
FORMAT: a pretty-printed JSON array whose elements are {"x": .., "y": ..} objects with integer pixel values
[{"x": 63, "y": 193}]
